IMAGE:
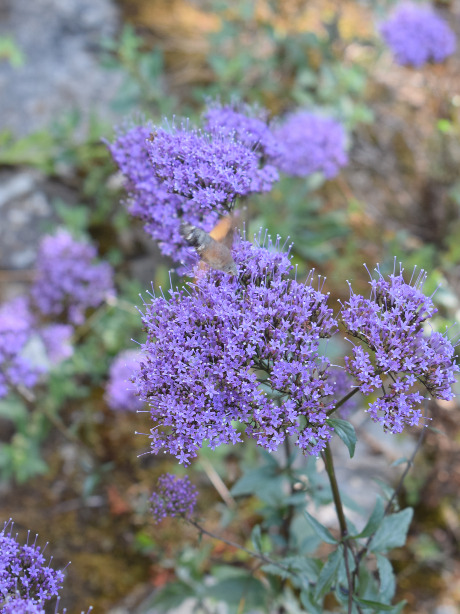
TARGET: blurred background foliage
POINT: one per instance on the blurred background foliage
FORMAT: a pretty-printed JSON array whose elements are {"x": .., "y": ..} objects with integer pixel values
[{"x": 399, "y": 198}]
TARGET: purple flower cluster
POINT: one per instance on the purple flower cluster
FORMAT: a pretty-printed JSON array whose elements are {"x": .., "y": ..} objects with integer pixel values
[
  {"x": 394, "y": 354},
  {"x": 416, "y": 35},
  {"x": 69, "y": 280},
  {"x": 310, "y": 143},
  {"x": 119, "y": 392},
  {"x": 15, "y": 331},
  {"x": 161, "y": 211},
  {"x": 210, "y": 169},
  {"x": 173, "y": 497},
  {"x": 241, "y": 348},
  {"x": 26, "y": 580},
  {"x": 251, "y": 128},
  {"x": 18, "y": 605},
  {"x": 20, "y": 330},
  {"x": 182, "y": 174}
]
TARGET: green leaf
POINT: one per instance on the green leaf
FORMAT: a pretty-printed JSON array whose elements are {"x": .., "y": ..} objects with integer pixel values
[
  {"x": 393, "y": 531},
  {"x": 264, "y": 482},
  {"x": 10, "y": 51},
  {"x": 376, "y": 605},
  {"x": 74, "y": 217},
  {"x": 172, "y": 596},
  {"x": 309, "y": 603},
  {"x": 329, "y": 572},
  {"x": 387, "y": 578},
  {"x": 445, "y": 126},
  {"x": 235, "y": 590},
  {"x": 374, "y": 520},
  {"x": 320, "y": 530},
  {"x": 13, "y": 408},
  {"x": 307, "y": 568},
  {"x": 274, "y": 570},
  {"x": 346, "y": 432}
]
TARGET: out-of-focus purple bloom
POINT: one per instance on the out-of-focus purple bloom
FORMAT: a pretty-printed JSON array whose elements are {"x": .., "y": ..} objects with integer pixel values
[
  {"x": 58, "y": 341},
  {"x": 25, "y": 576},
  {"x": 69, "y": 280},
  {"x": 210, "y": 169},
  {"x": 343, "y": 384},
  {"x": 173, "y": 497},
  {"x": 239, "y": 348},
  {"x": 394, "y": 354},
  {"x": 16, "y": 324},
  {"x": 161, "y": 211},
  {"x": 416, "y": 35},
  {"x": 250, "y": 127},
  {"x": 120, "y": 393},
  {"x": 310, "y": 143}
]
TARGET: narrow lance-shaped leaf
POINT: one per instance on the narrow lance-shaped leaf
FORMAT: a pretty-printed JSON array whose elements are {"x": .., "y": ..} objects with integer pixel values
[
  {"x": 374, "y": 520},
  {"x": 329, "y": 573},
  {"x": 320, "y": 530}
]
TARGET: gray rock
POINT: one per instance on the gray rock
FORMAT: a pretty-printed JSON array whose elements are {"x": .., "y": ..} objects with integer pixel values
[{"x": 60, "y": 40}]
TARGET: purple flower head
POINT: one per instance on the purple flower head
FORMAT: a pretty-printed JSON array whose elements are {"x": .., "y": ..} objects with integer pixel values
[
  {"x": 394, "y": 354},
  {"x": 173, "y": 497},
  {"x": 16, "y": 322},
  {"x": 250, "y": 127},
  {"x": 119, "y": 393},
  {"x": 241, "y": 348},
  {"x": 25, "y": 576},
  {"x": 416, "y": 35},
  {"x": 69, "y": 280},
  {"x": 210, "y": 169},
  {"x": 58, "y": 342},
  {"x": 310, "y": 143},
  {"x": 150, "y": 200}
]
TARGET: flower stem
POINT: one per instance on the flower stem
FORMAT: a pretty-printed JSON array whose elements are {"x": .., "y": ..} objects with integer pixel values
[
  {"x": 329, "y": 464},
  {"x": 257, "y": 555},
  {"x": 342, "y": 401}
]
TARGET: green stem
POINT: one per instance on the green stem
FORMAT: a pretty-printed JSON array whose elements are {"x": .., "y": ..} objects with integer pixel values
[
  {"x": 256, "y": 555},
  {"x": 329, "y": 464},
  {"x": 342, "y": 401},
  {"x": 285, "y": 527}
]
